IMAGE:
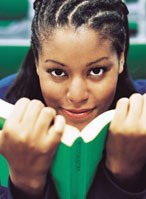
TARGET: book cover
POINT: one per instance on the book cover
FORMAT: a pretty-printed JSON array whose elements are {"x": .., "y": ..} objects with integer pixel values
[
  {"x": 76, "y": 159},
  {"x": 5, "y": 110},
  {"x": 78, "y": 156}
]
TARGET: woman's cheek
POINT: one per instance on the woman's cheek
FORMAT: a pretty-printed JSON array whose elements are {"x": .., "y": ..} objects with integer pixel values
[
  {"x": 52, "y": 94},
  {"x": 108, "y": 94}
]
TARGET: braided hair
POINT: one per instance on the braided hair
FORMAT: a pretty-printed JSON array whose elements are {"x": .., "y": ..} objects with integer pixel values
[{"x": 108, "y": 17}]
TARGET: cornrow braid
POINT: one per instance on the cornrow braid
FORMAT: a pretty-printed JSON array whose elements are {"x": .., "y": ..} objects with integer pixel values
[
  {"x": 37, "y": 4},
  {"x": 35, "y": 28},
  {"x": 84, "y": 13},
  {"x": 110, "y": 23},
  {"x": 91, "y": 10},
  {"x": 44, "y": 17},
  {"x": 108, "y": 17},
  {"x": 65, "y": 10},
  {"x": 51, "y": 10}
]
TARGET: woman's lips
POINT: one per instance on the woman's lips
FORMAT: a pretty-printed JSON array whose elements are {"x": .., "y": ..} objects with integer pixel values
[{"x": 77, "y": 114}]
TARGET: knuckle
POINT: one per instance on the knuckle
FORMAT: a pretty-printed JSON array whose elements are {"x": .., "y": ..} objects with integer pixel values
[
  {"x": 123, "y": 129},
  {"x": 130, "y": 128},
  {"x": 143, "y": 130},
  {"x": 57, "y": 138},
  {"x": 114, "y": 129},
  {"x": 54, "y": 144},
  {"x": 61, "y": 119},
  {"x": 12, "y": 132},
  {"x": 42, "y": 149},
  {"x": 49, "y": 111},
  {"x": 135, "y": 96},
  {"x": 58, "y": 132},
  {"x": 22, "y": 141},
  {"x": 9, "y": 127},
  {"x": 123, "y": 101},
  {"x": 142, "y": 127},
  {"x": 35, "y": 102},
  {"x": 23, "y": 100},
  {"x": 33, "y": 148},
  {"x": 144, "y": 96}
]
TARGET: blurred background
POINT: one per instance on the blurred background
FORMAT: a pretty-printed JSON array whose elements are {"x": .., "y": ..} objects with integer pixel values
[{"x": 15, "y": 31}]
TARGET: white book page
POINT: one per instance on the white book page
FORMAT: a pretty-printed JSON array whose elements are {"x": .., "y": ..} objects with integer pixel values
[
  {"x": 5, "y": 109},
  {"x": 90, "y": 131},
  {"x": 96, "y": 125},
  {"x": 70, "y": 133}
]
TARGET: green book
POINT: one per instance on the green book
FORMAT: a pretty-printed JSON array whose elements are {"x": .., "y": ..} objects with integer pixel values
[
  {"x": 78, "y": 156},
  {"x": 5, "y": 110},
  {"x": 76, "y": 159}
]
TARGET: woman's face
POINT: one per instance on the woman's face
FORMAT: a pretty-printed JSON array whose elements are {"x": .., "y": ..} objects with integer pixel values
[{"x": 78, "y": 74}]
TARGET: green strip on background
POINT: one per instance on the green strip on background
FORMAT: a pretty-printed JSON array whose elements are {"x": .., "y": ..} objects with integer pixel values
[{"x": 13, "y": 9}]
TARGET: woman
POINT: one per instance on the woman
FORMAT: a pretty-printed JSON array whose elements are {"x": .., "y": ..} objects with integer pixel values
[{"x": 76, "y": 69}]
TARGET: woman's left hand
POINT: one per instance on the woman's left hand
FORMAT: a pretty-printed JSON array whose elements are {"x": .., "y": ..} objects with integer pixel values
[{"x": 126, "y": 142}]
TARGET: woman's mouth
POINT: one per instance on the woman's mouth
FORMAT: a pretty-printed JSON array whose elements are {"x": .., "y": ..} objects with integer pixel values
[{"x": 77, "y": 113}]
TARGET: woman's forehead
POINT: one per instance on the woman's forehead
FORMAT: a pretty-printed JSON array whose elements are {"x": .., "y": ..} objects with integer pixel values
[
  {"x": 81, "y": 36},
  {"x": 83, "y": 46}
]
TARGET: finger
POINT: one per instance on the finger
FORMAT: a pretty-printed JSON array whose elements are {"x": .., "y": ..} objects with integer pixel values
[
  {"x": 135, "y": 107},
  {"x": 31, "y": 114},
  {"x": 121, "y": 111},
  {"x": 55, "y": 133},
  {"x": 19, "y": 110},
  {"x": 44, "y": 121}
]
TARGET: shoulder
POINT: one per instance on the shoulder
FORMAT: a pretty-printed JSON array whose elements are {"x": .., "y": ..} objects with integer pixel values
[
  {"x": 3, "y": 193},
  {"x": 5, "y": 83}
]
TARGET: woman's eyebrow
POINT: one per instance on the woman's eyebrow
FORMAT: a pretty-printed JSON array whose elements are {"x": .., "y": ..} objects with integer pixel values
[
  {"x": 56, "y": 62},
  {"x": 96, "y": 61},
  {"x": 88, "y": 64}
]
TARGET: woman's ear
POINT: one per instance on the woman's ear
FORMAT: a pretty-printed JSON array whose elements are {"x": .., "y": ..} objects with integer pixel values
[
  {"x": 37, "y": 70},
  {"x": 36, "y": 65},
  {"x": 121, "y": 62}
]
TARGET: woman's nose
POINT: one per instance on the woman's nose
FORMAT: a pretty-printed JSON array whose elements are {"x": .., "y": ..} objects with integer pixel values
[{"x": 77, "y": 91}]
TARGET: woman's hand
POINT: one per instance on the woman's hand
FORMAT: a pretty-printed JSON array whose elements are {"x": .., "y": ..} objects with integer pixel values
[
  {"x": 126, "y": 143},
  {"x": 28, "y": 141}
]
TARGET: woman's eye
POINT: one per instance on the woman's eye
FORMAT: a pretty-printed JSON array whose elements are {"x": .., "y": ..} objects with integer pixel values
[
  {"x": 97, "y": 71},
  {"x": 57, "y": 73}
]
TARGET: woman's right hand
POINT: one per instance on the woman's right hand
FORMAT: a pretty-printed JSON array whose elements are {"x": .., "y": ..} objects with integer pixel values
[{"x": 28, "y": 141}]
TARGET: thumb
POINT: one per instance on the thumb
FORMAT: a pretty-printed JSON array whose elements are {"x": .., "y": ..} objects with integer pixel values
[{"x": 56, "y": 131}]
